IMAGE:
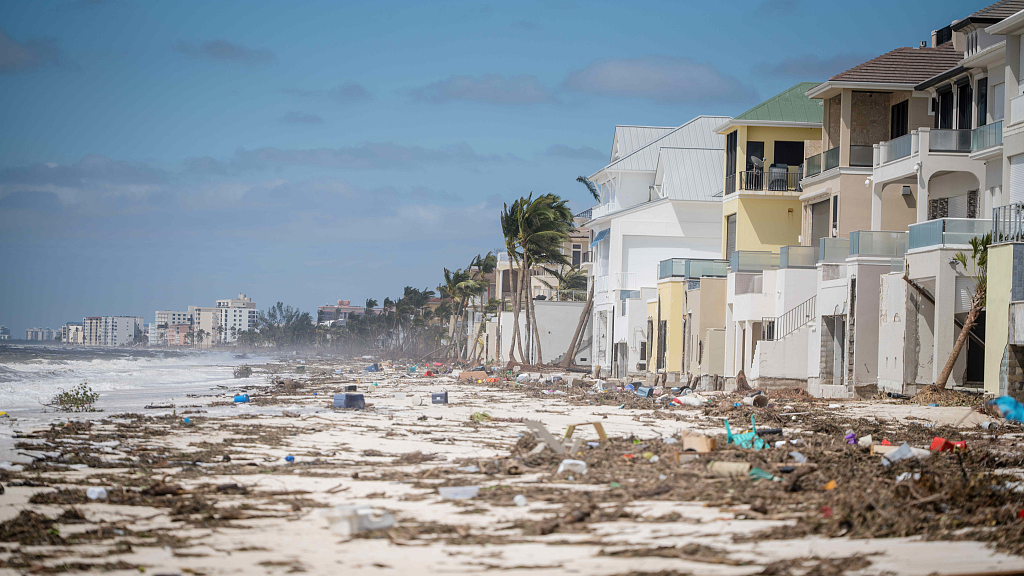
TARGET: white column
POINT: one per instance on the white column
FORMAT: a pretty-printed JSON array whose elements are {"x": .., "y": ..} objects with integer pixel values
[{"x": 876, "y": 205}]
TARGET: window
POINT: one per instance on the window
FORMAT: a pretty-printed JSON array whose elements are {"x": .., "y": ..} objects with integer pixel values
[
  {"x": 998, "y": 101},
  {"x": 731, "y": 150},
  {"x": 944, "y": 115},
  {"x": 788, "y": 153},
  {"x": 963, "y": 105},
  {"x": 755, "y": 150},
  {"x": 982, "y": 101},
  {"x": 730, "y": 235},
  {"x": 835, "y": 216},
  {"x": 899, "y": 117}
]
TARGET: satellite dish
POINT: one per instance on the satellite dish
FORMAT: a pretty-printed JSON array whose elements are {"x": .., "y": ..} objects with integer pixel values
[{"x": 757, "y": 161}]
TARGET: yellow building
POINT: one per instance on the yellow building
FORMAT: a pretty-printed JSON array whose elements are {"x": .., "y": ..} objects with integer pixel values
[
  {"x": 687, "y": 318},
  {"x": 765, "y": 149}
]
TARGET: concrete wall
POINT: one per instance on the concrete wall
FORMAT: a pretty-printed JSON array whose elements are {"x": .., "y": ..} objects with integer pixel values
[
  {"x": 782, "y": 359},
  {"x": 556, "y": 322},
  {"x": 708, "y": 305},
  {"x": 672, "y": 299},
  {"x": 870, "y": 117},
  {"x": 763, "y": 222},
  {"x": 1005, "y": 285}
]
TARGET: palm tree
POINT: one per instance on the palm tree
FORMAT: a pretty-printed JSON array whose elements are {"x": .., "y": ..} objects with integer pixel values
[
  {"x": 979, "y": 256},
  {"x": 535, "y": 229},
  {"x": 590, "y": 187}
]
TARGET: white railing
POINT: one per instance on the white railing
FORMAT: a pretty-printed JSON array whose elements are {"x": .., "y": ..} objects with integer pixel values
[
  {"x": 626, "y": 281},
  {"x": 1017, "y": 109},
  {"x": 604, "y": 209}
]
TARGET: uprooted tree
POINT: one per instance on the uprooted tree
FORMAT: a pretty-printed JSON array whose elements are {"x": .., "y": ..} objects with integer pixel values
[{"x": 979, "y": 257}]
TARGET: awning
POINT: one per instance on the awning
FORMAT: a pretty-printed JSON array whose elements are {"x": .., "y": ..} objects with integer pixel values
[{"x": 600, "y": 236}]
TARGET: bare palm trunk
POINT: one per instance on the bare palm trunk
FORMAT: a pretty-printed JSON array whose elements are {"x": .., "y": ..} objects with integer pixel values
[
  {"x": 516, "y": 339},
  {"x": 976, "y": 304},
  {"x": 536, "y": 329},
  {"x": 580, "y": 326}
]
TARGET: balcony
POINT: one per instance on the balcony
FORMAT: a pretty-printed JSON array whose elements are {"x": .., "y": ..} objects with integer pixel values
[
  {"x": 689, "y": 268},
  {"x": 950, "y": 141},
  {"x": 626, "y": 281},
  {"x": 833, "y": 250},
  {"x": 880, "y": 244},
  {"x": 798, "y": 257},
  {"x": 812, "y": 165},
  {"x": 988, "y": 136},
  {"x": 861, "y": 155},
  {"x": 751, "y": 261},
  {"x": 896, "y": 149},
  {"x": 947, "y": 232},
  {"x": 604, "y": 209},
  {"x": 830, "y": 159},
  {"x": 775, "y": 179},
  {"x": 1017, "y": 110},
  {"x": 1008, "y": 223}
]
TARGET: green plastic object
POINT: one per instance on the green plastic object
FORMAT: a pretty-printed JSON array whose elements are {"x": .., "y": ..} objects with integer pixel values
[
  {"x": 758, "y": 474},
  {"x": 747, "y": 440}
]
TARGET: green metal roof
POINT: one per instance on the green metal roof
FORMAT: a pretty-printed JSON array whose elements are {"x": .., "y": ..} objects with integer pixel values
[{"x": 790, "y": 106}]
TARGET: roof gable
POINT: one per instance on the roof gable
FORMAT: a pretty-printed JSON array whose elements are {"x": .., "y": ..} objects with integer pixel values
[
  {"x": 698, "y": 133},
  {"x": 690, "y": 173},
  {"x": 628, "y": 139},
  {"x": 792, "y": 105}
]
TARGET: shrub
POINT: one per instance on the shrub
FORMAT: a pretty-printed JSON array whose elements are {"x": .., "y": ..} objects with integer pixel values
[{"x": 79, "y": 399}]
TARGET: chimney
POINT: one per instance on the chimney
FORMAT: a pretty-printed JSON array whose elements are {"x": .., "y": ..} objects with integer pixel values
[
  {"x": 935, "y": 37},
  {"x": 923, "y": 43}
]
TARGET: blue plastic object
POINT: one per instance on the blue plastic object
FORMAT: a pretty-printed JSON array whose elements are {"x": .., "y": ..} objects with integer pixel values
[
  {"x": 630, "y": 387},
  {"x": 1010, "y": 407},
  {"x": 371, "y": 368},
  {"x": 289, "y": 458},
  {"x": 187, "y": 420},
  {"x": 242, "y": 398},
  {"x": 349, "y": 400},
  {"x": 745, "y": 440},
  {"x": 645, "y": 391}
]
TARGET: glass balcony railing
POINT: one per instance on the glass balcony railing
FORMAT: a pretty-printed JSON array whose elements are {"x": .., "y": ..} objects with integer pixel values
[
  {"x": 862, "y": 155},
  {"x": 692, "y": 268},
  {"x": 895, "y": 149},
  {"x": 988, "y": 136},
  {"x": 947, "y": 231},
  {"x": 830, "y": 159},
  {"x": 812, "y": 165},
  {"x": 878, "y": 243},
  {"x": 833, "y": 250},
  {"x": 950, "y": 141},
  {"x": 750, "y": 261},
  {"x": 798, "y": 256}
]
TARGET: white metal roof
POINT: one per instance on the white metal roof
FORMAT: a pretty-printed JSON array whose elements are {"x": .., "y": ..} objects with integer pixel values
[
  {"x": 698, "y": 133},
  {"x": 628, "y": 139},
  {"x": 690, "y": 173}
]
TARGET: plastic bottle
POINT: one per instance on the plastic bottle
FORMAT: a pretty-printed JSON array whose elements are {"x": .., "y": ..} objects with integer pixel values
[{"x": 96, "y": 493}]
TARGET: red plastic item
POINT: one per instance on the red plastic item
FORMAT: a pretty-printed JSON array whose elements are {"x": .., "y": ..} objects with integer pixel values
[
  {"x": 940, "y": 445},
  {"x": 1021, "y": 515},
  {"x": 962, "y": 445},
  {"x": 886, "y": 442},
  {"x": 825, "y": 511},
  {"x": 429, "y": 373}
]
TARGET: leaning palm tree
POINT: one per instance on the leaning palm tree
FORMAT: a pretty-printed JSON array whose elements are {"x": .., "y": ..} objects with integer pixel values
[
  {"x": 979, "y": 256},
  {"x": 535, "y": 229}
]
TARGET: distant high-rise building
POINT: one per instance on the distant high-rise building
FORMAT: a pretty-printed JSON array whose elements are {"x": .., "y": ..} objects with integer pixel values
[
  {"x": 235, "y": 315},
  {"x": 5, "y": 333},
  {"x": 164, "y": 319},
  {"x": 71, "y": 333},
  {"x": 111, "y": 330},
  {"x": 178, "y": 334},
  {"x": 205, "y": 320},
  {"x": 39, "y": 334}
]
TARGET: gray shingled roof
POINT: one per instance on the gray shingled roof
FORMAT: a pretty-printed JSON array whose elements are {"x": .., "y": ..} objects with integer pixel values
[{"x": 904, "y": 66}]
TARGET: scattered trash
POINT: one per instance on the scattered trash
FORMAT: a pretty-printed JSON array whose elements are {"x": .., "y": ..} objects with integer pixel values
[
  {"x": 290, "y": 414},
  {"x": 654, "y": 459},
  {"x": 241, "y": 398},
  {"x": 907, "y": 476},
  {"x": 835, "y": 405},
  {"x": 350, "y": 520},
  {"x": 694, "y": 400},
  {"x": 831, "y": 485},
  {"x": 547, "y": 437},
  {"x": 578, "y": 466},
  {"x": 745, "y": 440},
  {"x": 480, "y": 417},
  {"x": 473, "y": 376},
  {"x": 759, "y": 474},
  {"x": 864, "y": 440},
  {"x": 439, "y": 397},
  {"x": 903, "y": 452},
  {"x": 669, "y": 441},
  {"x": 349, "y": 400},
  {"x": 897, "y": 396},
  {"x": 798, "y": 457},
  {"x": 943, "y": 445},
  {"x": 698, "y": 443},
  {"x": 759, "y": 400},
  {"x": 990, "y": 425},
  {"x": 289, "y": 459},
  {"x": 458, "y": 492},
  {"x": 1011, "y": 408},
  {"x": 519, "y": 500},
  {"x": 96, "y": 493},
  {"x": 851, "y": 437},
  {"x": 630, "y": 387},
  {"x": 645, "y": 391},
  {"x": 523, "y": 378},
  {"x": 351, "y": 388},
  {"x": 598, "y": 427},
  {"x": 471, "y": 469},
  {"x": 186, "y": 420}
]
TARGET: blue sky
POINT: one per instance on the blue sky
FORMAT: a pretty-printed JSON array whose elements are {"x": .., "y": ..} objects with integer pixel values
[{"x": 156, "y": 154}]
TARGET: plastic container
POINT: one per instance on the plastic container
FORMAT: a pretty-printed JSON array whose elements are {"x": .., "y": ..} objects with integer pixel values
[
  {"x": 350, "y": 520},
  {"x": 96, "y": 493},
  {"x": 760, "y": 401},
  {"x": 349, "y": 400},
  {"x": 241, "y": 398},
  {"x": 519, "y": 500},
  {"x": 458, "y": 492},
  {"x": 439, "y": 397},
  {"x": 572, "y": 466},
  {"x": 289, "y": 458},
  {"x": 729, "y": 469}
]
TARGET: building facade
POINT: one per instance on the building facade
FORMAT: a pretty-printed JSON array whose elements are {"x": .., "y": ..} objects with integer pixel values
[
  {"x": 235, "y": 315},
  {"x": 39, "y": 334}
]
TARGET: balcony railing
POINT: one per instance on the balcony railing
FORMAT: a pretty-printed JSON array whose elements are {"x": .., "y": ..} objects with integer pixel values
[
  {"x": 947, "y": 231},
  {"x": 751, "y": 261},
  {"x": 585, "y": 214},
  {"x": 862, "y": 155},
  {"x": 878, "y": 243},
  {"x": 559, "y": 295},
  {"x": 602, "y": 284},
  {"x": 1008, "y": 223},
  {"x": 988, "y": 136},
  {"x": 798, "y": 256},
  {"x": 690, "y": 268},
  {"x": 833, "y": 250},
  {"x": 812, "y": 165},
  {"x": 626, "y": 281},
  {"x": 772, "y": 180},
  {"x": 779, "y": 328},
  {"x": 830, "y": 159},
  {"x": 950, "y": 141},
  {"x": 1017, "y": 110},
  {"x": 896, "y": 148}
]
